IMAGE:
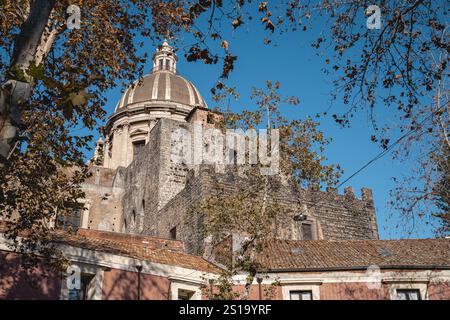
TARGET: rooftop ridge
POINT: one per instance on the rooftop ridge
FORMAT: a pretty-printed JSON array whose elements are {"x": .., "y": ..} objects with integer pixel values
[{"x": 147, "y": 241}]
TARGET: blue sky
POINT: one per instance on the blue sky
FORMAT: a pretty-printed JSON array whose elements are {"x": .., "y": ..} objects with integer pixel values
[{"x": 294, "y": 63}]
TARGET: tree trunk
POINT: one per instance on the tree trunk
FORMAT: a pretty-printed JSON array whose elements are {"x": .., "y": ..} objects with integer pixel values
[{"x": 18, "y": 86}]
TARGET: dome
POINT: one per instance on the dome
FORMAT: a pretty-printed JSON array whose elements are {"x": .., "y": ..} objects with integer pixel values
[
  {"x": 161, "y": 86},
  {"x": 156, "y": 97}
]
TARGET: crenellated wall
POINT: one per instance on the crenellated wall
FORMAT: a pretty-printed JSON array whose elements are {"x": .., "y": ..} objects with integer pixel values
[
  {"x": 156, "y": 194},
  {"x": 334, "y": 216}
]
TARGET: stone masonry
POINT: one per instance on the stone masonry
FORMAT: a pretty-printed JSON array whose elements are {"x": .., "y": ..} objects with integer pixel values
[
  {"x": 153, "y": 197},
  {"x": 137, "y": 188}
]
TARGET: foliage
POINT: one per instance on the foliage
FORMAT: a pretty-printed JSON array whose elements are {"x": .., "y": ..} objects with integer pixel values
[
  {"x": 302, "y": 144},
  {"x": 402, "y": 65},
  {"x": 251, "y": 210},
  {"x": 400, "y": 70}
]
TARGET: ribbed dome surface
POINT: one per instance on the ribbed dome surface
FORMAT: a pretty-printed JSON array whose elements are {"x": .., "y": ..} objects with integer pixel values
[{"x": 162, "y": 86}]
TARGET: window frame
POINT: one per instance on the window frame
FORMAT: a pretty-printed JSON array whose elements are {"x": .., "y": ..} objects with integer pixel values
[
  {"x": 66, "y": 222},
  {"x": 291, "y": 285},
  {"x": 408, "y": 292},
  {"x": 177, "y": 284},
  {"x": 421, "y": 286},
  {"x": 136, "y": 151},
  {"x": 300, "y": 293},
  {"x": 96, "y": 284}
]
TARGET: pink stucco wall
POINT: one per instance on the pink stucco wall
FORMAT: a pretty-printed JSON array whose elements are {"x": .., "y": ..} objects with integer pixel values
[
  {"x": 123, "y": 285},
  {"x": 39, "y": 283}
]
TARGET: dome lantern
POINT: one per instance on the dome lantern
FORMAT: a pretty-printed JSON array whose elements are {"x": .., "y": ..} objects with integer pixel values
[{"x": 165, "y": 59}]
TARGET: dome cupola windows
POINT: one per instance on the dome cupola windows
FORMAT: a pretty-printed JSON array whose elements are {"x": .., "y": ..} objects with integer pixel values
[{"x": 165, "y": 59}]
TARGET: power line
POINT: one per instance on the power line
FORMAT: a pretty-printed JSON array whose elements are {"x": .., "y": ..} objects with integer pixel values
[{"x": 383, "y": 153}]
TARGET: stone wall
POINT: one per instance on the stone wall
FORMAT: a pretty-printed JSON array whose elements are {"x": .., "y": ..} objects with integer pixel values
[
  {"x": 158, "y": 195},
  {"x": 176, "y": 214},
  {"x": 334, "y": 216},
  {"x": 152, "y": 179},
  {"x": 103, "y": 203}
]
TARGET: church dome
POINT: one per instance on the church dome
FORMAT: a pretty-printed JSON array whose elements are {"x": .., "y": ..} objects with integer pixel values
[
  {"x": 162, "y": 86},
  {"x": 162, "y": 94}
]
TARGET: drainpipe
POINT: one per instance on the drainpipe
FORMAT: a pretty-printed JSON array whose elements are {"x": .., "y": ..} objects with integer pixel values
[
  {"x": 259, "y": 280},
  {"x": 139, "y": 269}
]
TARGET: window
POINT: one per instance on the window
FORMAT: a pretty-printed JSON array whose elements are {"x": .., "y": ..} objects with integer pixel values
[
  {"x": 185, "y": 294},
  {"x": 137, "y": 147},
  {"x": 210, "y": 118},
  {"x": 161, "y": 62},
  {"x": 408, "y": 294},
  {"x": 173, "y": 233},
  {"x": 300, "y": 295},
  {"x": 307, "y": 232},
  {"x": 168, "y": 64},
  {"x": 69, "y": 220},
  {"x": 85, "y": 285}
]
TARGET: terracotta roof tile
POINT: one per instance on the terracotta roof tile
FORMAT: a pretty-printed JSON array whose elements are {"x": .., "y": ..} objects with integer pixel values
[
  {"x": 278, "y": 255},
  {"x": 350, "y": 254},
  {"x": 157, "y": 250}
]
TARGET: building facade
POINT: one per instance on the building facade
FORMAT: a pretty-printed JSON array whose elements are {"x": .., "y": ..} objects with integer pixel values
[
  {"x": 136, "y": 239},
  {"x": 137, "y": 188}
]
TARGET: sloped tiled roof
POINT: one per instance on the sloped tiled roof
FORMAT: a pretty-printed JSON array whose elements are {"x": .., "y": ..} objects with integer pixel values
[
  {"x": 354, "y": 254},
  {"x": 277, "y": 255},
  {"x": 157, "y": 250},
  {"x": 151, "y": 249}
]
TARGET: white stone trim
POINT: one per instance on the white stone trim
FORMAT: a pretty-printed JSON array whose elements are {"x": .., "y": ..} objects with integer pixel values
[
  {"x": 422, "y": 287},
  {"x": 175, "y": 286},
  {"x": 303, "y": 281},
  {"x": 168, "y": 88},
  {"x": 314, "y": 288},
  {"x": 191, "y": 92},
  {"x": 95, "y": 291},
  {"x": 131, "y": 96},
  {"x": 120, "y": 105},
  {"x": 361, "y": 276},
  {"x": 155, "y": 87},
  {"x": 129, "y": 264},
  {"x": 352, "y": 277},
  {"x": 187, "y": 280},
  {"x": 200, "y": 98}
]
